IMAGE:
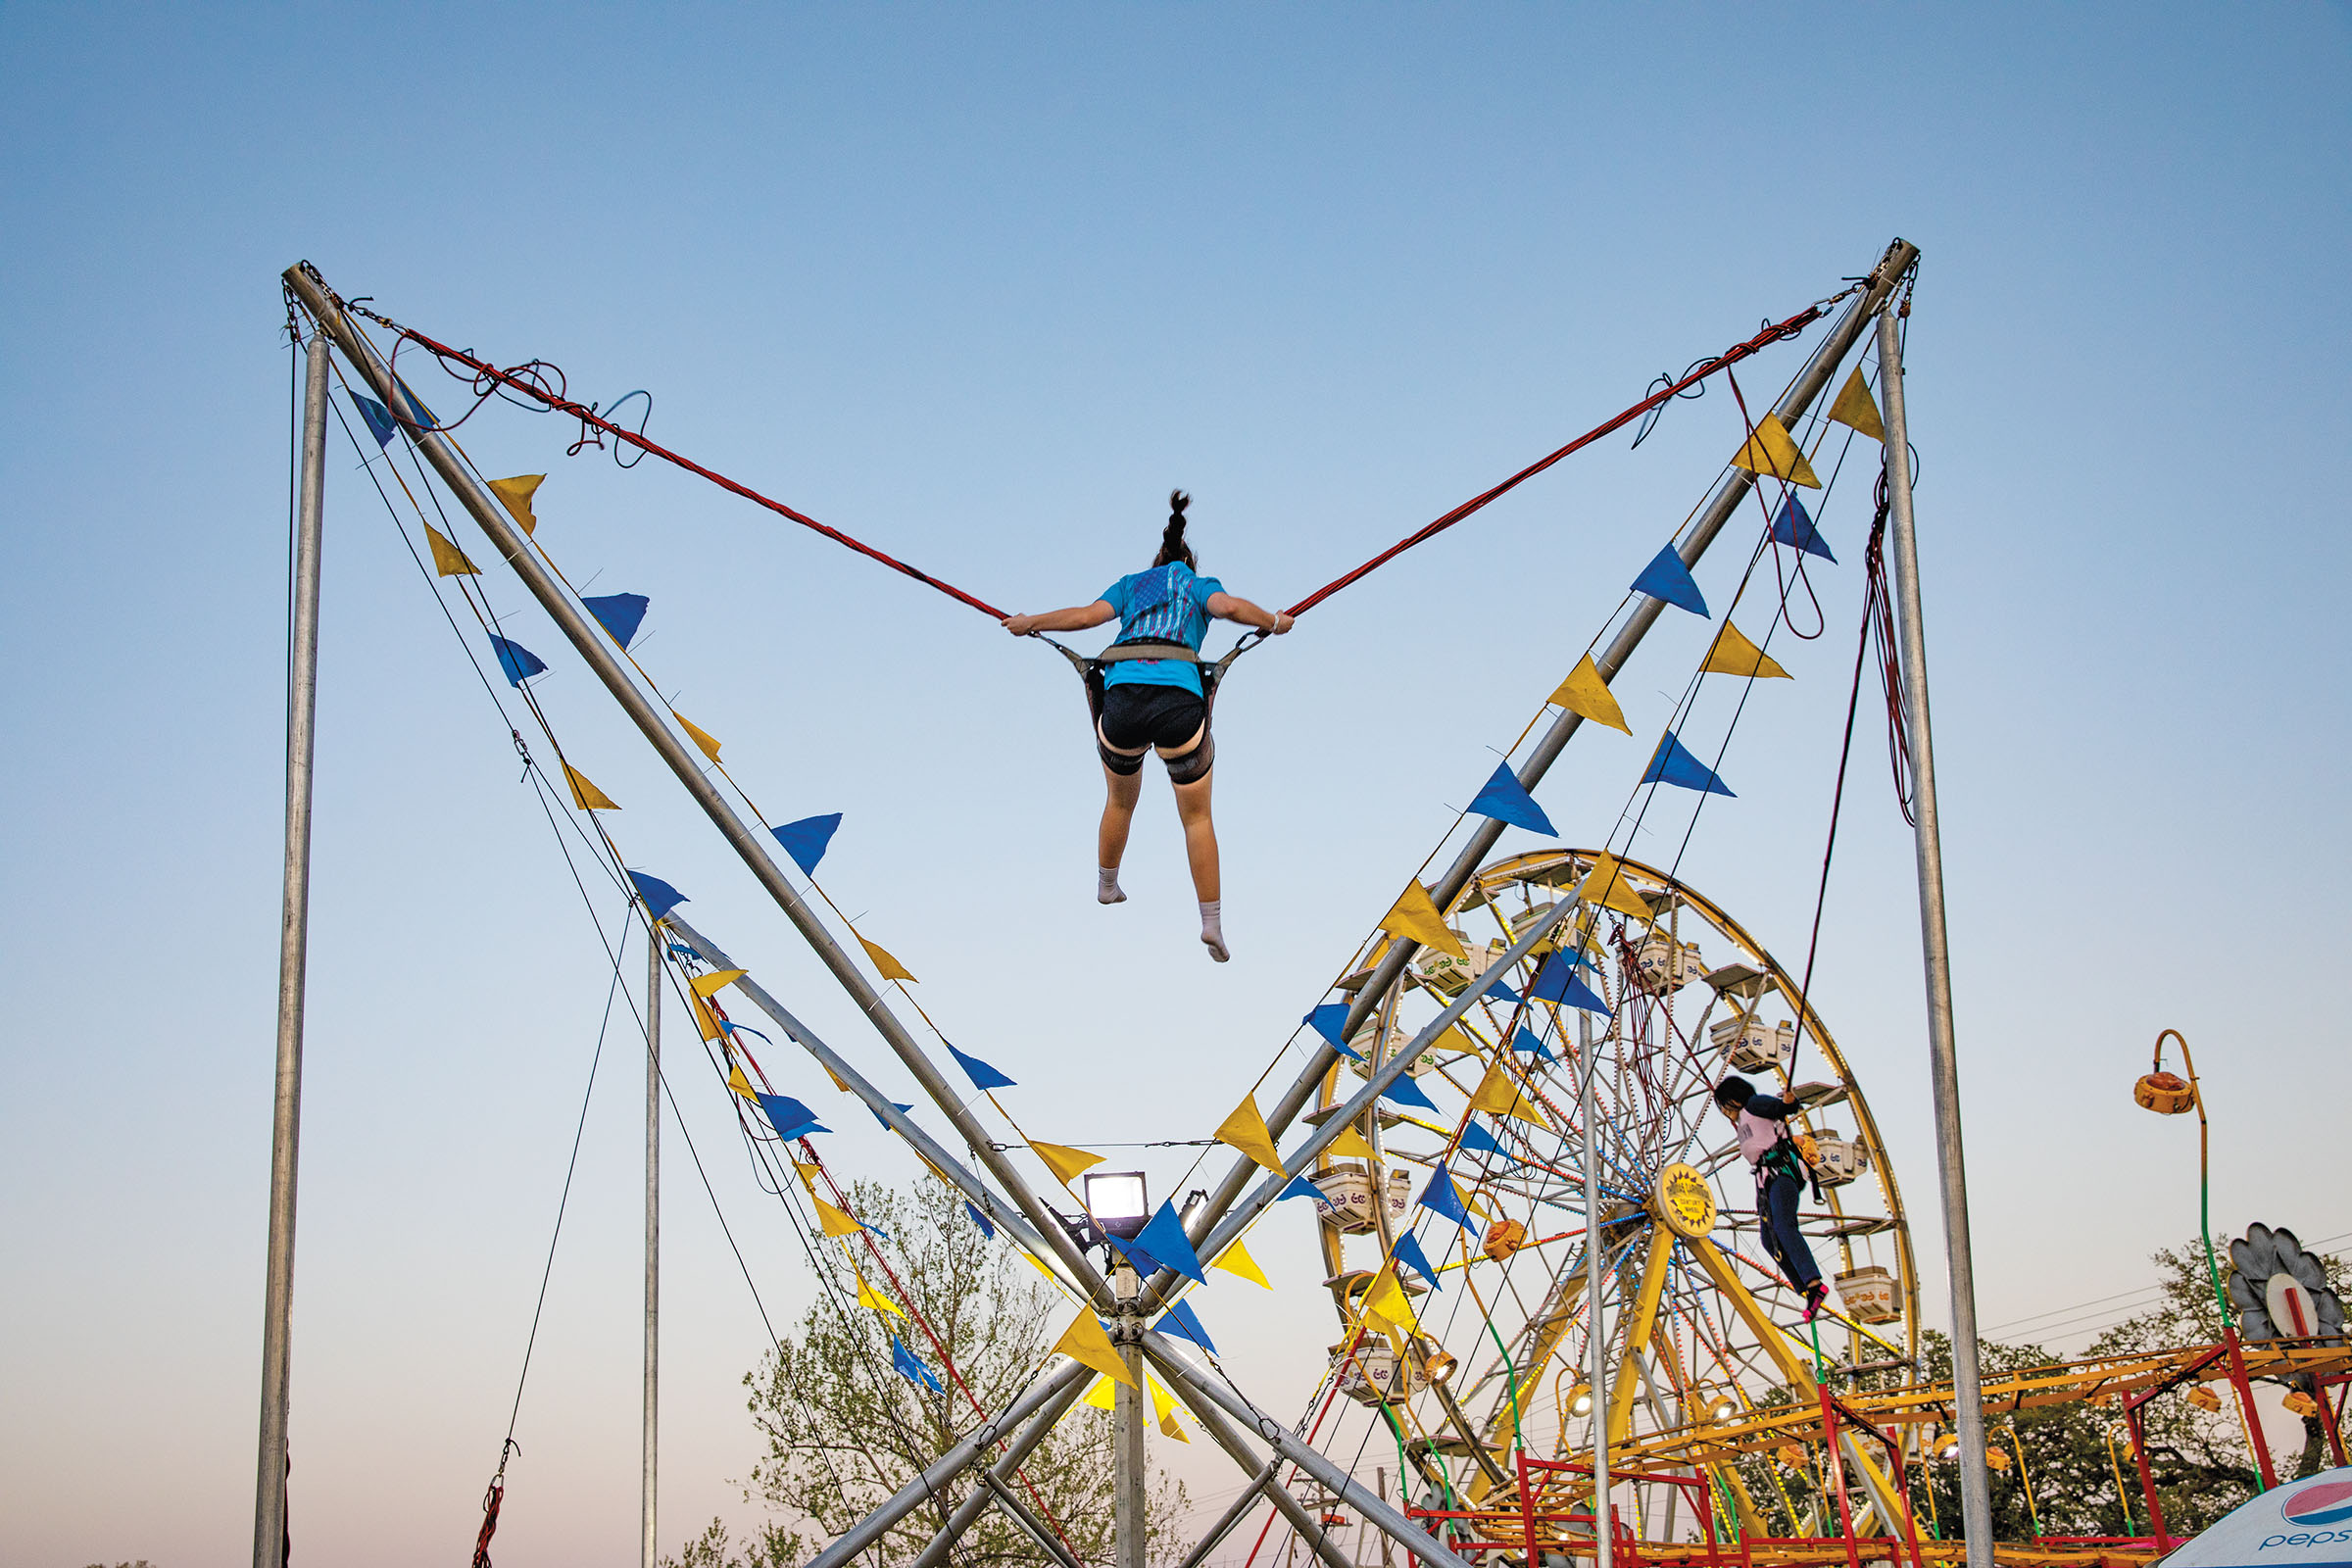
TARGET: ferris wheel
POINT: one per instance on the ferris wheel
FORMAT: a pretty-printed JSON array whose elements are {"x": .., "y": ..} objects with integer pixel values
[{"x": 1699, "y": 1329}]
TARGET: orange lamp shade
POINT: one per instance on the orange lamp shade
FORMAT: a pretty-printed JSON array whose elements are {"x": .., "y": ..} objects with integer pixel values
[
  {"x": 1503, "y": 1238},
  {"x": 2165, "y": 1094}
]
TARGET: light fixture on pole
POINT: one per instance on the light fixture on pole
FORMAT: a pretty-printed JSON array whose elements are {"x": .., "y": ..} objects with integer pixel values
[{"x": 1118, "y": 1203}]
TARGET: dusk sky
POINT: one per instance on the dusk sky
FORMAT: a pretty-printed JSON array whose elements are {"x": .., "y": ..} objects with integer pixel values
[{"x": 980, "y": 286}]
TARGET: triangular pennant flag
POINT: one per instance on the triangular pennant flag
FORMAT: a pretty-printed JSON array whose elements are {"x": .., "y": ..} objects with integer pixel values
[
  {"x": 518, "y": 662},
  {"x": 982, "y": 1075},
  {"x": 890, "y": 967},
  {"x": 1166, "y": 1239},
  {"x": 884, "y": 1121},
  {"x": 1085, "y": 1342},
  {"x": 1163, "y": 1411},
  {"x": 1478, "y": 1140},
  {"x": 835, "y": 1221},
  {"x": 789, "y": 1118},
  {"x": 739, "y": 1083},
  {"x": 1138, "y": 1257},
  {"x": 1857, "y": 409},
  {"x": 1505, "y": 799},
  {"x": 1673, "y": 764},
  {"x": 705, "y": 1019},
  {"x": 516, "y": 495},
  {"x": 587, "y": 796},
  {"x": 1499, "y": 1093},
  {"x": 1415, "y": 916},
  {"x": 1732, "y": 653},
  {"x": 1386, "y": 1304},
  {"x": 734, "y": 1028},
  {"x": 1328, "y": 1020},
  {"x": 1103, "y": 1395},
  {"x": 909, "y": 1367},
  {"x": 717, "y": 980},
  {"x": 1405, "y": 1092},
  {"x": 806, "y": 840},
  {"x": 1346, "y": 1141},
  {"x": 1498, "y": 992},
  {"x": 1407, "y": 1251},
  {"x": 807, "y": 1170},
  {"x": 417, "y": 412},
  {"x": 620, "y": 615},
  {"x": 1067, "y": 1163},
  {"x": 1245, "y": 1129},
  {"x": 987, "y": 1226},
  {"x": 1667, "y": 579},
  {"x": 1440, "y": 1198},
  {"x": 1037, "y": 1265},
  {"x": 1300, "y": 1187},
  {"x": 448, "y": 559},
  {"x": 1526, "y": 1042},
  {"x": 1770, "y": 451},
  {"x": 701, "y": 738},
  {"x": 1235, "y": 1259},
  {"x": 1609, "y": 887},
  {"x": 376, "y": 417},
  {"x": 1181, "y": 1319},
  {"x": 1559, "y": 982},
  {"x": 868, "y": 1295},
  {"x": 1792, "y": 525},
  {"x": 839, "y": 1082},
  {"x": 1585, "y": 694},
  {"x": 660, "y": 896}
]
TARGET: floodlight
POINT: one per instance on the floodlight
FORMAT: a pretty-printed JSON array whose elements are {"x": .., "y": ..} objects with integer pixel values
[
  {"x": 1722, "y": 1410},
  {"x": 1119, "y": 1203},
  {"x": 1580, "y": 1399},
  {"x": 1438, "y": 1367}
]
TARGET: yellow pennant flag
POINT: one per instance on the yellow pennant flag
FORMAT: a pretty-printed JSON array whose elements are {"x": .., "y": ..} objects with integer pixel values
[
  {"x": 1040, "y": 1266},
  {"x": 717, "y": 980},
  {"x": 1733, "y": 654},
  {"x": 739, "y": 1083},
  {"x": 705, "y": 1019},
  {"x": 1498, "y": 1093},
  {"x": 1772, "y": 451},
  {"x": 1415, "y": 916},
  {"x": 837, "y": 1082},
  {"x": 1855, "y": 407},
  {"x": 1103, "y": 1395},
  {"x": 1067, "y": 1163},
  {"x": 1163, "y": 1409},
  {"x": 1349, "y": 1142},
  {"x": 1085, "y": 1342},
  {"x": 515, "y": 494},
  {"x": 1235, "y": 1259},
  {"x": 834, "y": 1221},
  {"x": 587, "y": 796},
  {"x": 1585, "y": 694},
  {"x": 890, "y": 967},
  {"x": 1386, "y": 1307},
  {"x": 1245, "y": 1129},
  {"x": 807, "y": 1171},
  {"x": 868, "y": 1295},
  {"x": 448, "y": 559},
  {"x": 1610, "y": 888},
  {"x": 697, "y": 734}
]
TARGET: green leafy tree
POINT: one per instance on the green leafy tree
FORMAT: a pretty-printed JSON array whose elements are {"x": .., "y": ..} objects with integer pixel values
[{"x": 844, "y": 1431}]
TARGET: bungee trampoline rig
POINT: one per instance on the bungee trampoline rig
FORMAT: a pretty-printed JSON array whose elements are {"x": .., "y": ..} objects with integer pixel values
[{"x": 1542, "y": 1264}]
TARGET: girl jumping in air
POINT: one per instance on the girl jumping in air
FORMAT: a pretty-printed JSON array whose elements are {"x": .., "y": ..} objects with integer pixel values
[{"x": 1153, "y": 700}]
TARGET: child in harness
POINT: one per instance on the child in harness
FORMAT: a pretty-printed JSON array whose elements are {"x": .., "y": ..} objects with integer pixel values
[{"x": 1781, "y": 1172}]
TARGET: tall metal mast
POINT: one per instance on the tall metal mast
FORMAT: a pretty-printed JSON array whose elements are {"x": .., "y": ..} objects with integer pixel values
[
  {"x": 293, "y": 960},
  {"x": 649, "y": 1549}
]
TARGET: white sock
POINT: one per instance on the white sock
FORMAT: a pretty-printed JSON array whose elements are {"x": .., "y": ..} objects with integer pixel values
[
  {"x": 1107, "y": 885},
  {"x": 1212, "y": 934}
]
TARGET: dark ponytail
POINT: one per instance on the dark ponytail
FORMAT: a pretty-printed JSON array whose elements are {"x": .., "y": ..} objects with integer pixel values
[{"x": 1171, "y": 540}]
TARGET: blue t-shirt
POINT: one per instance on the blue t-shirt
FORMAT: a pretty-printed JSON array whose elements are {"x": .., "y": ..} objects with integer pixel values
[{"x": 1169, "y": 605}]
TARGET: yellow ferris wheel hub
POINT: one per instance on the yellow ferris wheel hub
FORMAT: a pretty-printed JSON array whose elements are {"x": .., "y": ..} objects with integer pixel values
[{"x": 1681, "y": 1198}]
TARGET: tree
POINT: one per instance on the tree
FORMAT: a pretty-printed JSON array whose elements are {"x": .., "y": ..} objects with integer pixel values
[{"x": 845, "y": 1431}]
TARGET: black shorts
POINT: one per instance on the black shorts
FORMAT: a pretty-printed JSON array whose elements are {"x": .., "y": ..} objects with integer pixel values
[{"x": 1137, "y": 716}]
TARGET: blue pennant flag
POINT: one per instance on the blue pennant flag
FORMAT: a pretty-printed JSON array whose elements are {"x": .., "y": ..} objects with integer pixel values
[
  {"x": 1667, "y": 579},
  {"x": 618, "y": 613},
  {"x": 904, "y": 1110},
  {"x": 1505, "y": 799},
  {"x": 1479, "y": 1140},
  {"x": 682, "y": 949},
  {"x": 1792, "y": 525},
  {"x": 911, "y": 1369},
  {"x": 1328, "y": 1020},
  {"x": 1559, "y": 982},
  {"x": 417, "y": 412},
  {"x": 806, "y": 840},
  {"x": 1138, "y": 1257},
  {"x": 379, "y": 420},
  {"x": 1673, "y": 764},
  {"x": 1165, "y": 1239},
  {"x": 1440, "y": 1198},
  {"x": 730, "y": 1026},
  {"x": 518, "y": 662},
  {"x": 1498, "y": 992},
  {"x": 1528, "y": 1043},
  {"x": 1407, "y": 1251},
  {"x": 987, "y": 1226},
  {"x": 1182, "y": 1320},
  {"x": 660, "y": 896},
  {"x": 1405, "y": 1092},
  {"x": 1300, "y": 1187},
  {"x": 982, "y": 1075},
  {"x": 789, "y": 1118}
]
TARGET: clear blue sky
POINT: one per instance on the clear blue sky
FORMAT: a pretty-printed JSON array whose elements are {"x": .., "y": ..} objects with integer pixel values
[{"x": 981, "y": 285}]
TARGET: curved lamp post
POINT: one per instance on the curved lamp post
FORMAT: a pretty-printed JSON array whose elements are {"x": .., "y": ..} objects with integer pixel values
[{"x": 2166, "y": 1094}]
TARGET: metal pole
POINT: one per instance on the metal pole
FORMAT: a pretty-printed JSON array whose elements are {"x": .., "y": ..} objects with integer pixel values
[
  {"x": 1975, "y": 1495},
  {"x": 1009, "y": 1463},
  {"x": 1234, "y": 1514},
  {"x": 1596, "y": 1376},
  {"x": 1302, "y": 1518},
  {"x": 1709, "y": 521},
  {"x": 751, "y": 845},
  {"x": 1127, "y": 1463},
  {"x": 649, "y": 1553},
  {"x": 293, "y": 958}
]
